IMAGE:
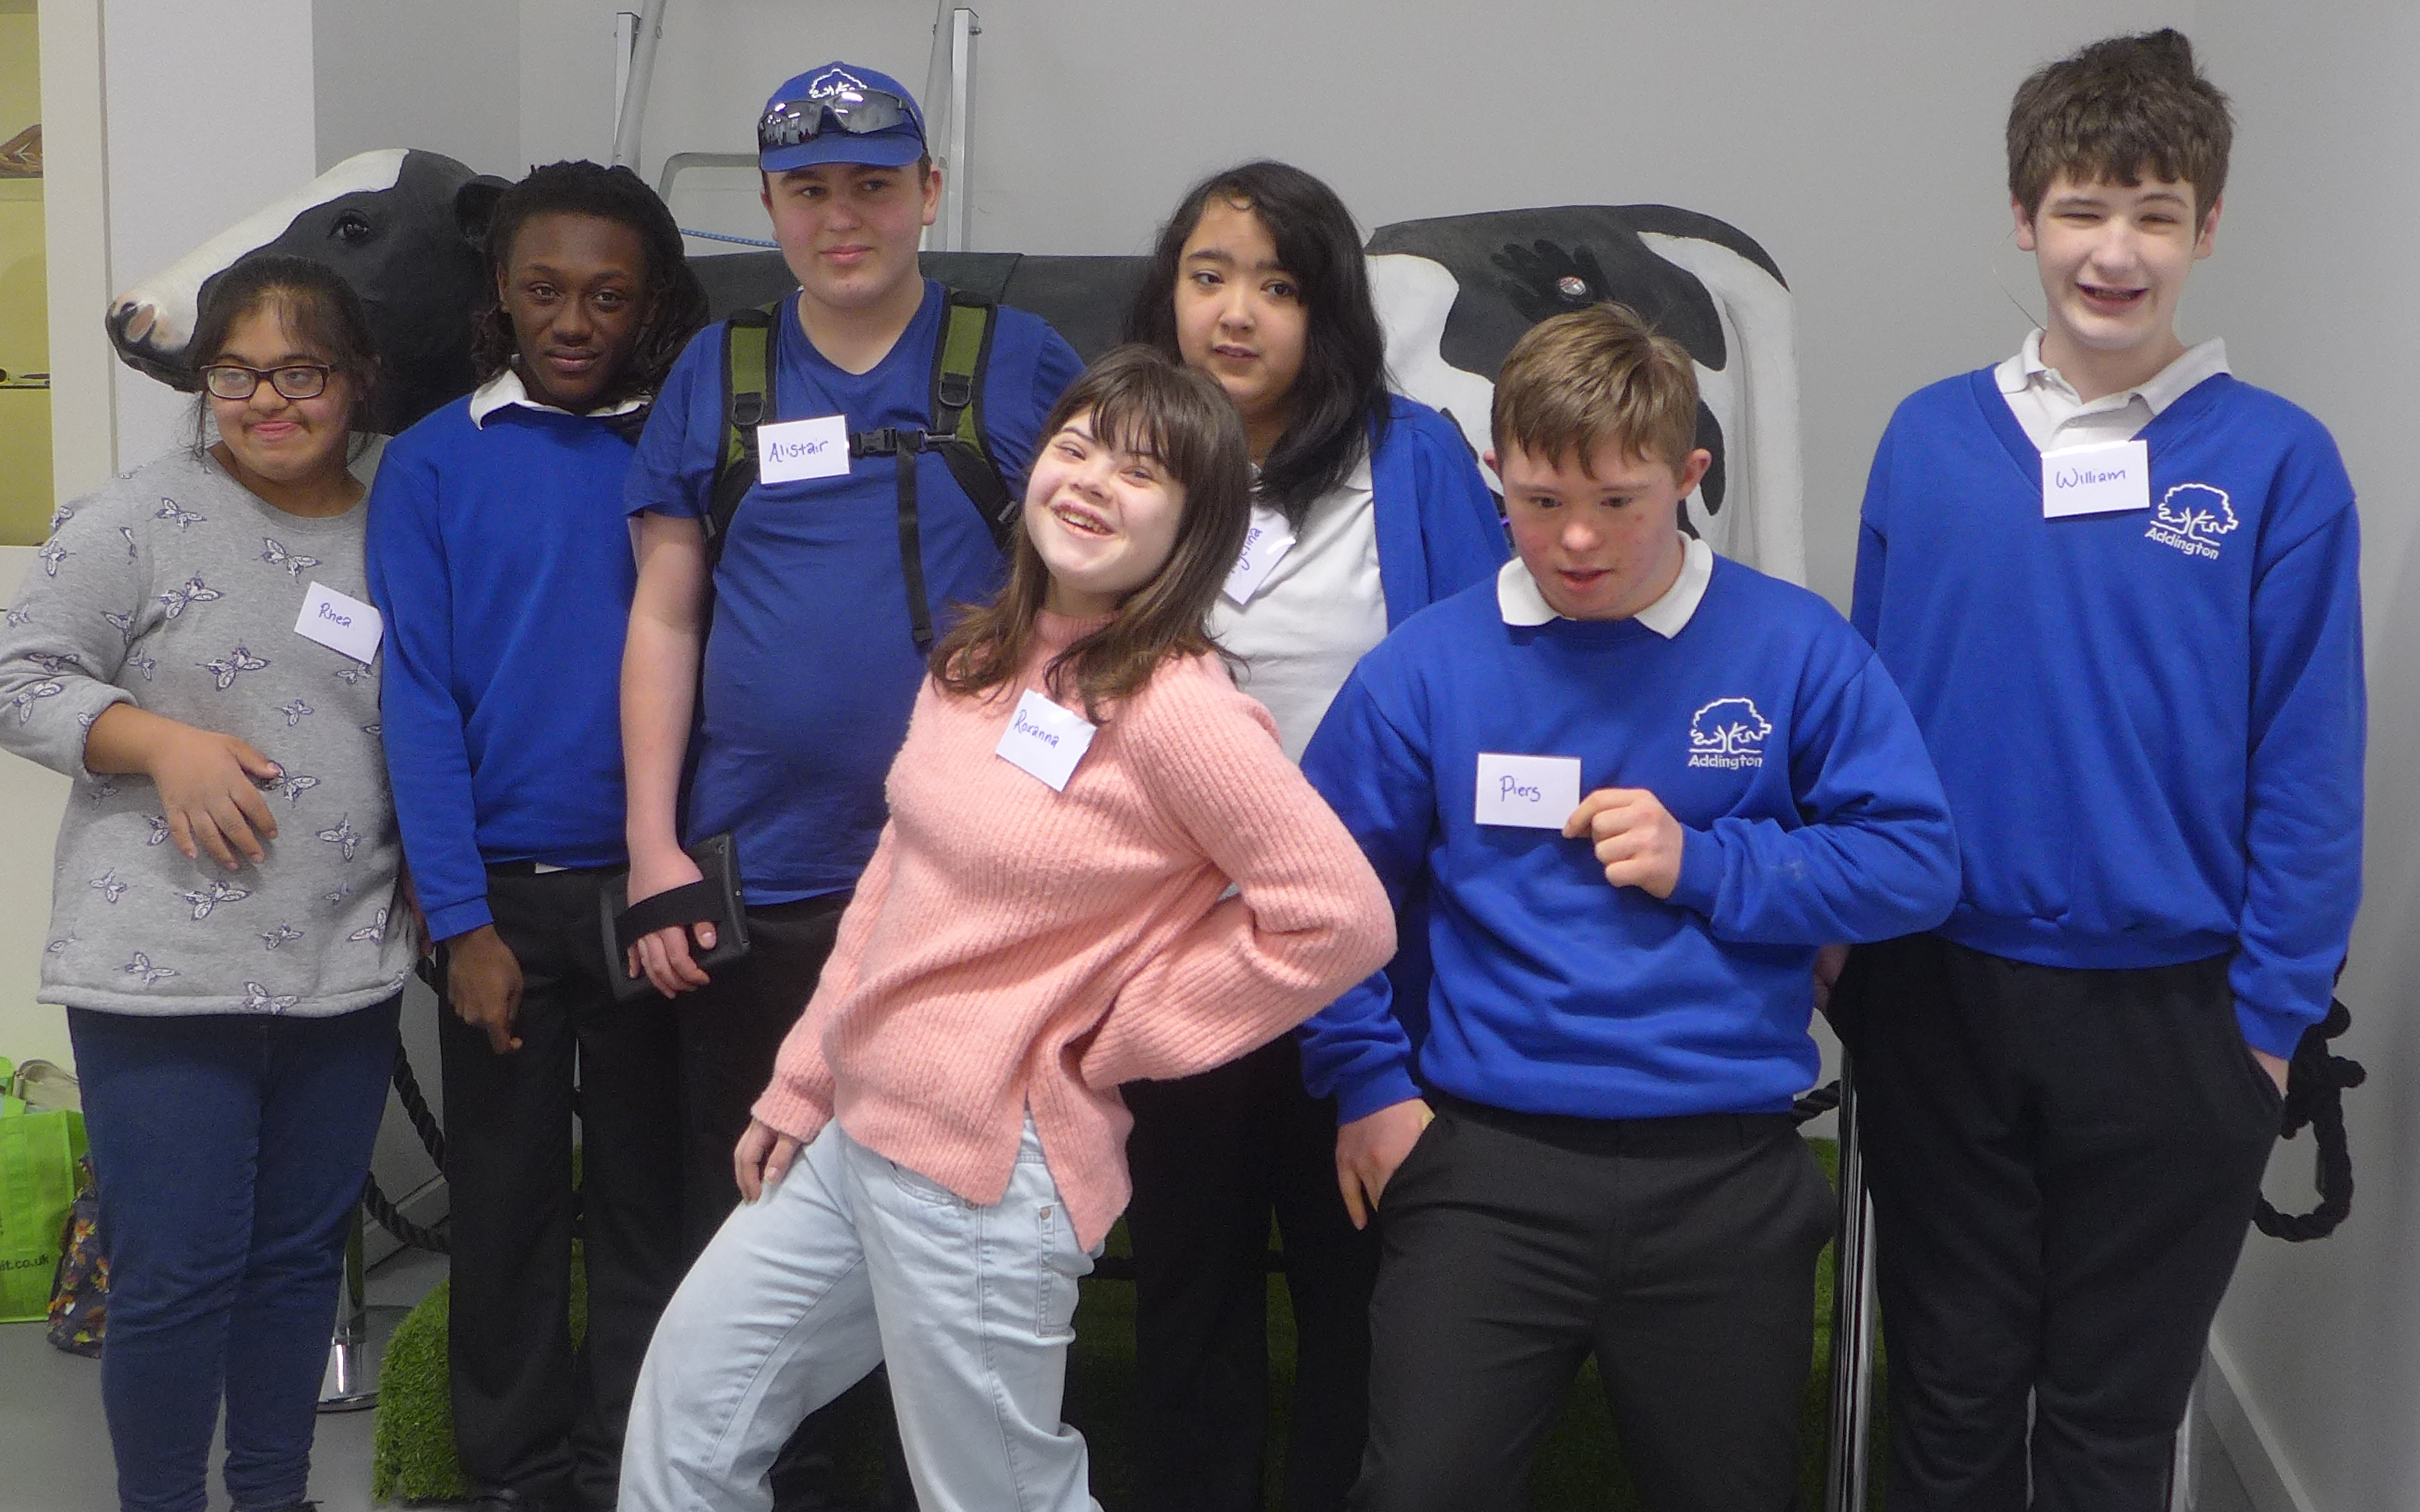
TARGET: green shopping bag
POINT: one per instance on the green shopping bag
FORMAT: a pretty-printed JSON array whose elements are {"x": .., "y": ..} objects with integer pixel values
[{"x": 38, "y": 1155}]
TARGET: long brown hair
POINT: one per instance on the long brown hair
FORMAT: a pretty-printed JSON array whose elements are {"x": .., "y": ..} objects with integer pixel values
[{"x": 1144, "y": 402}]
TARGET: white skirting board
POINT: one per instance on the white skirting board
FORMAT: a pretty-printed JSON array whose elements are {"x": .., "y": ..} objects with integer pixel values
[{"x": 2251, "y": 1441}]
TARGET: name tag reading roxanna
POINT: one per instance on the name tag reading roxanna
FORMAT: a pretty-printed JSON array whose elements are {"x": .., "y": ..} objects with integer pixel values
[
  {"x": 792, "y": 451},
  {"x": 1266, "y": 543},
  {"x": 1527, "y": 792},
  {"x": 341, "y": 623},
  {"x": 1045, "y": 740},
  {"x": 2088, "y": 480}
]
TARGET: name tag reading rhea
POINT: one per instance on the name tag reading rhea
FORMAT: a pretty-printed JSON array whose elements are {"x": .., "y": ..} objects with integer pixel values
[
  {"x": 1045, "y": 740},
  {"x": 1266, "y": 542},
  {"x": 2089, "y": 480},
  {"x": 792, "y": 451},
  {"x": 341, "y": 623},
  {"x": 1528, "y": 792}
]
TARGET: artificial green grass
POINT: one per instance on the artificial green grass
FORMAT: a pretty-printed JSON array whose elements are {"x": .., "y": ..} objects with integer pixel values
[{"x": 1579, "y": 1467}]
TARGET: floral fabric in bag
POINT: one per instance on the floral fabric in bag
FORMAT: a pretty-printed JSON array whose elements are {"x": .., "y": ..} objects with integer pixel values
[{"x": 79, "y": 1299}]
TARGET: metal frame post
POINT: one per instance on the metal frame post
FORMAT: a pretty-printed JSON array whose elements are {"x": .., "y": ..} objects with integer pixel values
[
  {"x": 1846, "y": 1472},
  {"x": 351, "y": 1382},
  {"x": 634, "y": 94},
  {"x": 965, "y": 27}
]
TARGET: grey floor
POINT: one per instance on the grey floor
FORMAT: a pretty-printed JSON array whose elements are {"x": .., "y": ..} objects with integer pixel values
[{"x": 54, "y": 1452}]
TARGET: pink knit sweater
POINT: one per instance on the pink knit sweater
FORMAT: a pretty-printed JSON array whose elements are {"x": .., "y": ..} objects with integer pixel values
[{"x": 1013, "y": 949}]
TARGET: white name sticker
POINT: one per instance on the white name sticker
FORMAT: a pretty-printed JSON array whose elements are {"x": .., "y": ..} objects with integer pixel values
[
  {"x": 1528, "y": 792},
  {"x": 2089, "y": 480},
  {"x": 1044, "y": 739},
  {"x": 1266, "y": 543},
  {"x": 340, "y": 623},
  {"x": 792, "y": 451}
]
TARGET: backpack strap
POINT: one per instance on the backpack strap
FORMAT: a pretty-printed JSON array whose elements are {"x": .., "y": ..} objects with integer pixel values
[
  {"x": 747, "y": 403},
  {"x": 961, "y": 358}
]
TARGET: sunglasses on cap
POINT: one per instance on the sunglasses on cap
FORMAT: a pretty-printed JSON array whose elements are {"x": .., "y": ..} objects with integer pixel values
[{"x": 858, "y": 112}]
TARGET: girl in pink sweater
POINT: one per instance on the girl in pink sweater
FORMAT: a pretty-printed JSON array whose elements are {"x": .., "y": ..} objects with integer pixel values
[{"x": 1046, "y": 917}]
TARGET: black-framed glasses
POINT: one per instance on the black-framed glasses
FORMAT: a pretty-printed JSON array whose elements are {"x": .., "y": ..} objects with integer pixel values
[
  {"x": 233, "y": 380},
  {"x": 859, "y": 112}
]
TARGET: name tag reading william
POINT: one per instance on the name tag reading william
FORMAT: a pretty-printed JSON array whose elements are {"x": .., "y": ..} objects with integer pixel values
[
  {"x": 792, "y": 451},
  {"x": 2089, "y": 480},
  {"x": 1045, "y": 740},
  {"x": 1527, "y": 792},
  {"x": 341, "y": 623},
  {"x": 1266, "y": 542}
]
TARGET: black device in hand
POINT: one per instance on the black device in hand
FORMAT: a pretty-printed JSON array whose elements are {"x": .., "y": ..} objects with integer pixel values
[{"x": 714, "y": 899}]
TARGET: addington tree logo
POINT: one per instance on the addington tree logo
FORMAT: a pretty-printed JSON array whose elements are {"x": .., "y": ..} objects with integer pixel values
[
  {"x": 2191, "y": 517},
  {"x": 1728, "y": 733}
]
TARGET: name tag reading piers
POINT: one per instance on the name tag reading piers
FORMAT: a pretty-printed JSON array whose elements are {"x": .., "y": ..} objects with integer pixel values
[
  {"x": 792, "y": 451},
  {"x": 341, "y": 623},
  {"x": 2088, "y": 480},
  {"x": 1045, "y": 740},
  {"x": 1266, "y": 543},
  {"x": 1527, "y": 792}
]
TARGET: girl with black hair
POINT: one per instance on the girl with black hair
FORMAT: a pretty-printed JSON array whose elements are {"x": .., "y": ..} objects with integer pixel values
[
  {"x": 1369, "y": 508},
  {"x": 227, "y": 932},
  {"x": 500, "y": 561}
]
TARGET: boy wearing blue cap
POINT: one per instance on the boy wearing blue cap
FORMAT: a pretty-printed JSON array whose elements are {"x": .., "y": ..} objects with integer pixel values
[{"x": 778, "y": 634}]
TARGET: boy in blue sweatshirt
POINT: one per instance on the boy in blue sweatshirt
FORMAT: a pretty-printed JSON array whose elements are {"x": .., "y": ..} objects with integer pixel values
[
  {"x": 2119, "y": 588},
  {"x": 498, "y": 557},
  {"x": 1617, "y": 1023}
]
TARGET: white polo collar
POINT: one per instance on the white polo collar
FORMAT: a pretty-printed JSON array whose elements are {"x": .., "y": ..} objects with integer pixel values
[
  {"x": 505, "y": 390},
  {"x": 1521, "y": 602},
  {"x": 2199, "y": 362}
]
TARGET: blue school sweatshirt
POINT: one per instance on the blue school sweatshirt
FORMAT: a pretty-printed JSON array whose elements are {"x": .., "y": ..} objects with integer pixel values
[
  {"x": 1766, "y": 728},
  {"x": 501, "y": 561},
  {"x": 811, "y": 666},
  {"x": 2149, "y": 723}
]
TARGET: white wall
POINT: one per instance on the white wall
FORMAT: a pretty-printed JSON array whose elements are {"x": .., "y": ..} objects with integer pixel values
[
  {"x": 2312, "y": 285},
  {"x": 176, "y": 174}
]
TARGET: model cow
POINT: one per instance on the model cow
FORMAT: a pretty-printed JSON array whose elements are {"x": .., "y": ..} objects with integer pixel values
[{"x": 405, "y": 228}]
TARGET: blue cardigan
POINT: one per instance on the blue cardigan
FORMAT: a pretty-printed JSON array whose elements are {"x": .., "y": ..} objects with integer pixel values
[{"x": 1451, "y": 535}]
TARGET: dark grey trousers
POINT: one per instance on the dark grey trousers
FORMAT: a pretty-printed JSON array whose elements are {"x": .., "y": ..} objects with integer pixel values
[{"x": 1680, "y": 1251}]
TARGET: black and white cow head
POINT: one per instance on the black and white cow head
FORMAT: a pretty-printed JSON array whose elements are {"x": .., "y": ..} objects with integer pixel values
[
  {"x": 1456, "y": 292},
  {"x": 405, "y": 228}
]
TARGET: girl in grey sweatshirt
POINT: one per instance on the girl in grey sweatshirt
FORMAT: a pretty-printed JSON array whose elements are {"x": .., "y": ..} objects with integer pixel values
[{"x": 193, "y": 647}]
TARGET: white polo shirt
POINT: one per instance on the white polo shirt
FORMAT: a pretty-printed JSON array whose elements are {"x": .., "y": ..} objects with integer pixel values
[{"x": 2055, "y": 416}]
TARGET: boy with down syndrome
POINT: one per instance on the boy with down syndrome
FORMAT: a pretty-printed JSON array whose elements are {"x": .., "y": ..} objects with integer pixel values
[
  {"x": 1618, "y": 1018},
  {"x": 2146, "y": 701}
]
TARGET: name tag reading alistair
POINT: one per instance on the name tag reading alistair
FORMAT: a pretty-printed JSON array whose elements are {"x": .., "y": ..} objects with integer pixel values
[
  {"x": 341, "y": 623},
  {"x": 792, "y": 451},
  {"x": 1528, "y": 792},
  {"x": 2090, "y": 480},
  {"x": 1266, "y": 542},
  {"x": 1045, "y": 740}
]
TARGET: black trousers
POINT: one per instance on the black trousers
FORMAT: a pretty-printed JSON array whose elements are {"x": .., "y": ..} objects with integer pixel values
[
  {"x": 730, "y": 1033},
  {"x": 1213, "y": 1157},
  {"x": 2063, "y": 1166},
  {"x": 530, "y": 1413},
  {"x": 1680, "y": 1251}
]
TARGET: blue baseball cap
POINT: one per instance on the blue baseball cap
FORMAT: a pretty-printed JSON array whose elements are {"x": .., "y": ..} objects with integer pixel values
[{"x": 839, "y": 113}]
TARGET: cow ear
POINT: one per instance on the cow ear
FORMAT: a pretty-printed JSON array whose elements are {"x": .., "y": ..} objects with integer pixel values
[{"x": 475, "y": 206}]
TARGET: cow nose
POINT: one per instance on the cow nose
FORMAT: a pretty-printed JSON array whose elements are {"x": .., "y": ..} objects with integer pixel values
[{"x": 135, "y": 318}]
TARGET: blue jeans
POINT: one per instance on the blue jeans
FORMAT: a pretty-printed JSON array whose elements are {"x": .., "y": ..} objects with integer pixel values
[{"x": 230, "y": 1151}]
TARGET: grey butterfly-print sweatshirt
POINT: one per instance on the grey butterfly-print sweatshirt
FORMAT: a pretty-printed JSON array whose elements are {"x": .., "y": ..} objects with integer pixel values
[{"x": 176, "y": 589}]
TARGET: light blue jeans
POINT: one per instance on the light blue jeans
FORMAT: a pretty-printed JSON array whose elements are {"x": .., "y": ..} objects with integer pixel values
[{"x": 850, "y": 1261}]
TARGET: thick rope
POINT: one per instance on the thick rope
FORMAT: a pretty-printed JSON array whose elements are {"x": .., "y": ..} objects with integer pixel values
[
  {"x": 2315, "y": 1088},
  {"x": 432, "y": 1139}
]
